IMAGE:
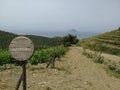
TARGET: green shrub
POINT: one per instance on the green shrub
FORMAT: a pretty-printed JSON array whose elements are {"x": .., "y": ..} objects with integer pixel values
[
  {"x": 112, "y": 67},
  {"x": 114, "y": 70},
  {"x": 69, "y": 40}
]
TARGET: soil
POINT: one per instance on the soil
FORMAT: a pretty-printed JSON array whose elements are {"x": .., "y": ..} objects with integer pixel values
[{"x": 73, "y": 72}]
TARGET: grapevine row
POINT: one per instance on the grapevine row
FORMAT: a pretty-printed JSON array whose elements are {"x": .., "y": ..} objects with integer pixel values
[{"x": 40, "y": 56}]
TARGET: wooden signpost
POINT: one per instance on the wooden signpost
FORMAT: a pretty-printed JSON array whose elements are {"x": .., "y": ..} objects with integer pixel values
[{"x": 21, "y": 48}]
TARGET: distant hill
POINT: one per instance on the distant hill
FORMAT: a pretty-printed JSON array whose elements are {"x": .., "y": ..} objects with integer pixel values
[
  {"x": 108, "y": 42},
  {"x": 39, "y": 41}
]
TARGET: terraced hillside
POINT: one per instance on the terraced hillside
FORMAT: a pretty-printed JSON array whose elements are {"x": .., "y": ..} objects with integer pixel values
[{"x": 108, "y": 42}]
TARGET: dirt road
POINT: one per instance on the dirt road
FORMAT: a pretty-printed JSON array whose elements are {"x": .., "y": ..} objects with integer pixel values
[{"x": 73, "y": 72}]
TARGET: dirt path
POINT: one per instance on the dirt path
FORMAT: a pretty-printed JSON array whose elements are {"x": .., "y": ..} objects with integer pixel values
[{"x": 74, "y": 72}]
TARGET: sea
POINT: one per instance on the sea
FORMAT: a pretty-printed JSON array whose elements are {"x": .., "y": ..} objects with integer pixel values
[{"x": 79, "y": 34}]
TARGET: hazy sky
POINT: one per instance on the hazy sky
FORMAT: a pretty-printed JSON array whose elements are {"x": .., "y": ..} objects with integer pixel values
[{"x": 33, "y": 16}]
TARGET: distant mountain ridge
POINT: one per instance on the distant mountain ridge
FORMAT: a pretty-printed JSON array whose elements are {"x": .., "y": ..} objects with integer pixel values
[
  {"x": 39, "y": 41},
  {"x": 79, "y": 34}
]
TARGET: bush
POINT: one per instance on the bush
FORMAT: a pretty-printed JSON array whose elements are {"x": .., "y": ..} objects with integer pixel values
[{"x": 69, "y": 40}]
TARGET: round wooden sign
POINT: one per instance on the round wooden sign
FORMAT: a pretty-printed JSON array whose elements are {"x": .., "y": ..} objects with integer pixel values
[{"x": 21, "y": 48}]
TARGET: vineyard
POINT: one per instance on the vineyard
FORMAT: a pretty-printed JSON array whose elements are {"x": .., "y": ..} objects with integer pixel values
[
  {"x": 108, "y": 42},
  {"x": 39, "y": 56},
  {"x": 74, "y": 72}
]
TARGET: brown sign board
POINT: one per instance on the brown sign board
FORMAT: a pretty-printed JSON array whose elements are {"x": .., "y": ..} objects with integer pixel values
[{"x": 21, "y": 48}]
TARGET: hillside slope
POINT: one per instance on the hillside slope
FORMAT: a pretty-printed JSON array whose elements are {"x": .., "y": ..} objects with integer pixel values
[
  {"x": 5, "y": 39},
  {"x": 39, "y": 41},
  {"x": 108, "y": 42}
]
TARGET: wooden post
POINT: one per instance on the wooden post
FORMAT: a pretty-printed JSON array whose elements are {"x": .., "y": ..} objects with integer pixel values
[
  {"x": 51, "y": 61},
  {"x": 48, "y": 63},
  {"x": 24, "y": 74},
  {"x": 22, "y": 77},
  {"x": 19, "y": 82}
]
